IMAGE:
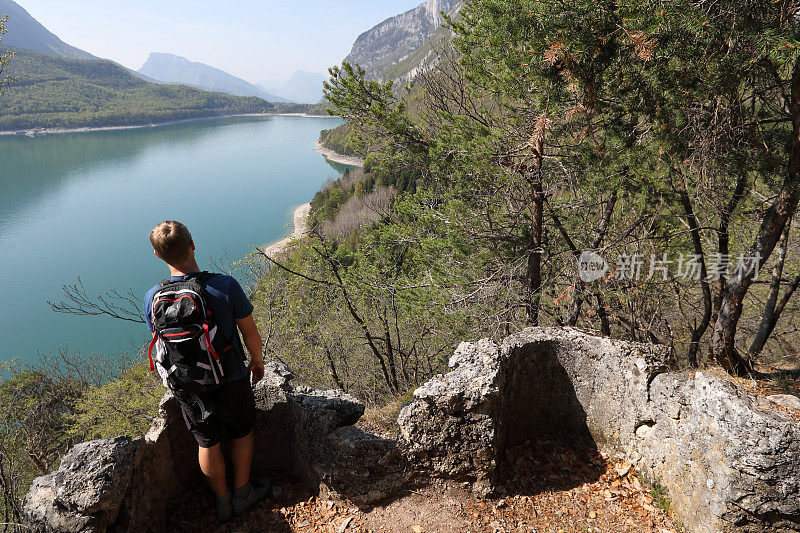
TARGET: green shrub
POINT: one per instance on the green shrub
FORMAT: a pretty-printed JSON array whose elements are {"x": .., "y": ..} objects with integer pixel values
[{"x": 125, "y": 406}]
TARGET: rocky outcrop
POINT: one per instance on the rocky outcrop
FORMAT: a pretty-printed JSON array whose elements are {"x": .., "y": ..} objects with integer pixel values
[
  {"x": 548, "y": 383},
  {"x": 396, "y": 39},
  {"x": 127, "y": 485},
  {"x": 729, "y": 460},
  {"x": 727, "y": 457},
  {"x": 86, "y": 492}
]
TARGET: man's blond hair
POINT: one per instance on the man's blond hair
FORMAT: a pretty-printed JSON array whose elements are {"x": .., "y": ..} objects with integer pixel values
[{"x": 172, "y": 241}]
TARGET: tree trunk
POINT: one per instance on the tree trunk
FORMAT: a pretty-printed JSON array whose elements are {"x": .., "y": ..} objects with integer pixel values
[
  {"x": 768, "y": 317},
  {"x": 577, "y": 297},
  {"x": 534, "y": 273},
  {"x": 605, "y": 325},
  {"x": 774, "y": 221},
  {"x": 334, "y": 373},
  {"x": 699, "y": 330}
]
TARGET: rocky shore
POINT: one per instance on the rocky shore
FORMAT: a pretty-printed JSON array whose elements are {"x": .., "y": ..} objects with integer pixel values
[
  {"x": 300, "y": 223},
  {"x": 339, "y": 158}
]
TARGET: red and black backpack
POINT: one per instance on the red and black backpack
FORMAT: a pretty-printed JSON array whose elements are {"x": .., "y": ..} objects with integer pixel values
[{"x": 187, "y": 347}]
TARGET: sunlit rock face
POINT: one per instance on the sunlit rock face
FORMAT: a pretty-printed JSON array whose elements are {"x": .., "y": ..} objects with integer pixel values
[
  {"x": 395, "y": 40},
  {"x": 730, "y": 460}
]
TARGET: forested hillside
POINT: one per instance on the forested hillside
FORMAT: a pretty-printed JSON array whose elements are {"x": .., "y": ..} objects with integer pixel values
[
  {"x": 552, "y": 169},
  {"x": 54, "y": 92}
]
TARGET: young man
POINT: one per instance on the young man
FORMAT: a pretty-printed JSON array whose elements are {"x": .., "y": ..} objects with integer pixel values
[{"x": 227, "y": 409}]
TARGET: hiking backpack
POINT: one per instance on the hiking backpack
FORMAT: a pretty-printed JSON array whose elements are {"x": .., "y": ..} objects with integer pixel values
[{"x": 187, "y": 347}]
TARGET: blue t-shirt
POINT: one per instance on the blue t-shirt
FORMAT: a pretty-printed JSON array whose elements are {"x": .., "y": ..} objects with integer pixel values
[{"x": 228, "y": 303}]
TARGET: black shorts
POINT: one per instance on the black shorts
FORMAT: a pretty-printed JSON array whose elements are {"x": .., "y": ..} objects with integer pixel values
[{"x": 226, "y": 413}]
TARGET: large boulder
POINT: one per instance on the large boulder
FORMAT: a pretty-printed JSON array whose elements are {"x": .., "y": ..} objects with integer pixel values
[
  {"x": 543, "y": 382},
  {"x": 86, "y": 492},
  {"x": 729, "y": 460}
]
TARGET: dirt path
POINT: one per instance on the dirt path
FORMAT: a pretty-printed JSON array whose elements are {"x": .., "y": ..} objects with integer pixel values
[{"x": 547, "y": 487}]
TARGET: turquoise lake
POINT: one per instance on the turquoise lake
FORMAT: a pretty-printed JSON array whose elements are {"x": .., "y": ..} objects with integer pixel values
[{"x": 82, "y": 204}]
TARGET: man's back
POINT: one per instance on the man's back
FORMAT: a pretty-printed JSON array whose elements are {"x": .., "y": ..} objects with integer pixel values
[{"x": 228, "y": 303}]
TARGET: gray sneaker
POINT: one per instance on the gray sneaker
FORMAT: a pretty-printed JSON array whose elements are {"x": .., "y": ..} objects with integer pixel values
[
  {"x": 225, "y": 507},
  {"x": 252, "y": 493}
]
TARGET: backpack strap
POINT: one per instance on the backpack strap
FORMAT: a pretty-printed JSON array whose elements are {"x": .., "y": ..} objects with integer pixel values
[
  {"x": 150, "y": 350},
  {"x": 202, "y": 277}
]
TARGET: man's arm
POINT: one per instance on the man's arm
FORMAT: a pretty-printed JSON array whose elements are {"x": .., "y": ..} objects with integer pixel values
[{"x": 252, "y": 340}]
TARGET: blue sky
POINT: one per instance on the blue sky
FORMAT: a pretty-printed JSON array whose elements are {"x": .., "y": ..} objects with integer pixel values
[{"x": 260, "y": 41}]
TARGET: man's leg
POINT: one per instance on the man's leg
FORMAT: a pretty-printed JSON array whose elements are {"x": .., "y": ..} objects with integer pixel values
[
  {"x": 242, "y": 458},
  {"x": 246, "y": 494},
  {"x": 212, "y": 463}
]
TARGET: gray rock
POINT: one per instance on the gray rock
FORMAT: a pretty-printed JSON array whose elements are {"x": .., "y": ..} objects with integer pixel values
[
  {"x": 328, "y": 410},
  {"x": 277, "y": 375},
  {"x": 789, "y": 401},
  {"x": 398, "y": 38},
  {"x": 122, "y": 485},
  {"x": 165, "y": 469},
  {"x": 729, "y": 460},
  {"x": 86, "y": 492},
  {"x": 362, "y": 468},
  {"x": 543, "y": 383}
]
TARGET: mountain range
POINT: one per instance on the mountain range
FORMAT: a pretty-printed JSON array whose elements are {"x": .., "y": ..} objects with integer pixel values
[
  {"x": 60, "y": 86},
  {"x": 57, "y": 92},
  {"x": 303, "y": 87},
  {"x": 63, "y": 86},
  {"x": 169, "y": 68},
  {"x": 396, "y": 50}
]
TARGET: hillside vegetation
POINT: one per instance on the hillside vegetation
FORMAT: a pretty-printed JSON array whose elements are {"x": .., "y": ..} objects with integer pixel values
[
  {"x": 53, "y": 92},
  {"x": 543, "y": 132},
  {"x": 342, "y": 141}
]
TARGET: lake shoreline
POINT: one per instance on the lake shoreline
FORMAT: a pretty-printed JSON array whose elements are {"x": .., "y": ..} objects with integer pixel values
[
  {"x": 303, "y": 212},
  {"x": 243, "y": 178},
  {"x": 300, "y": 229},
  {"x": 336, "y": 157},
  {"x": 35, "y": 132}
]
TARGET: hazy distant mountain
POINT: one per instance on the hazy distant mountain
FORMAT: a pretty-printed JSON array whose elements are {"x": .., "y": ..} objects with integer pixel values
[
  {"x": 60, "y": 86},
  {"x": 398, "y": 47},
  {"x": 26, "y": 32},
  {"x": 303, "y": 87},
  {"x": 57, "y": 92},
  {"x": 170, "y": 68}
]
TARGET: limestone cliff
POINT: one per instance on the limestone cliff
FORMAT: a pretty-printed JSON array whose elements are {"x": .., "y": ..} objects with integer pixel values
[{"x": 398, "y": 47}]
